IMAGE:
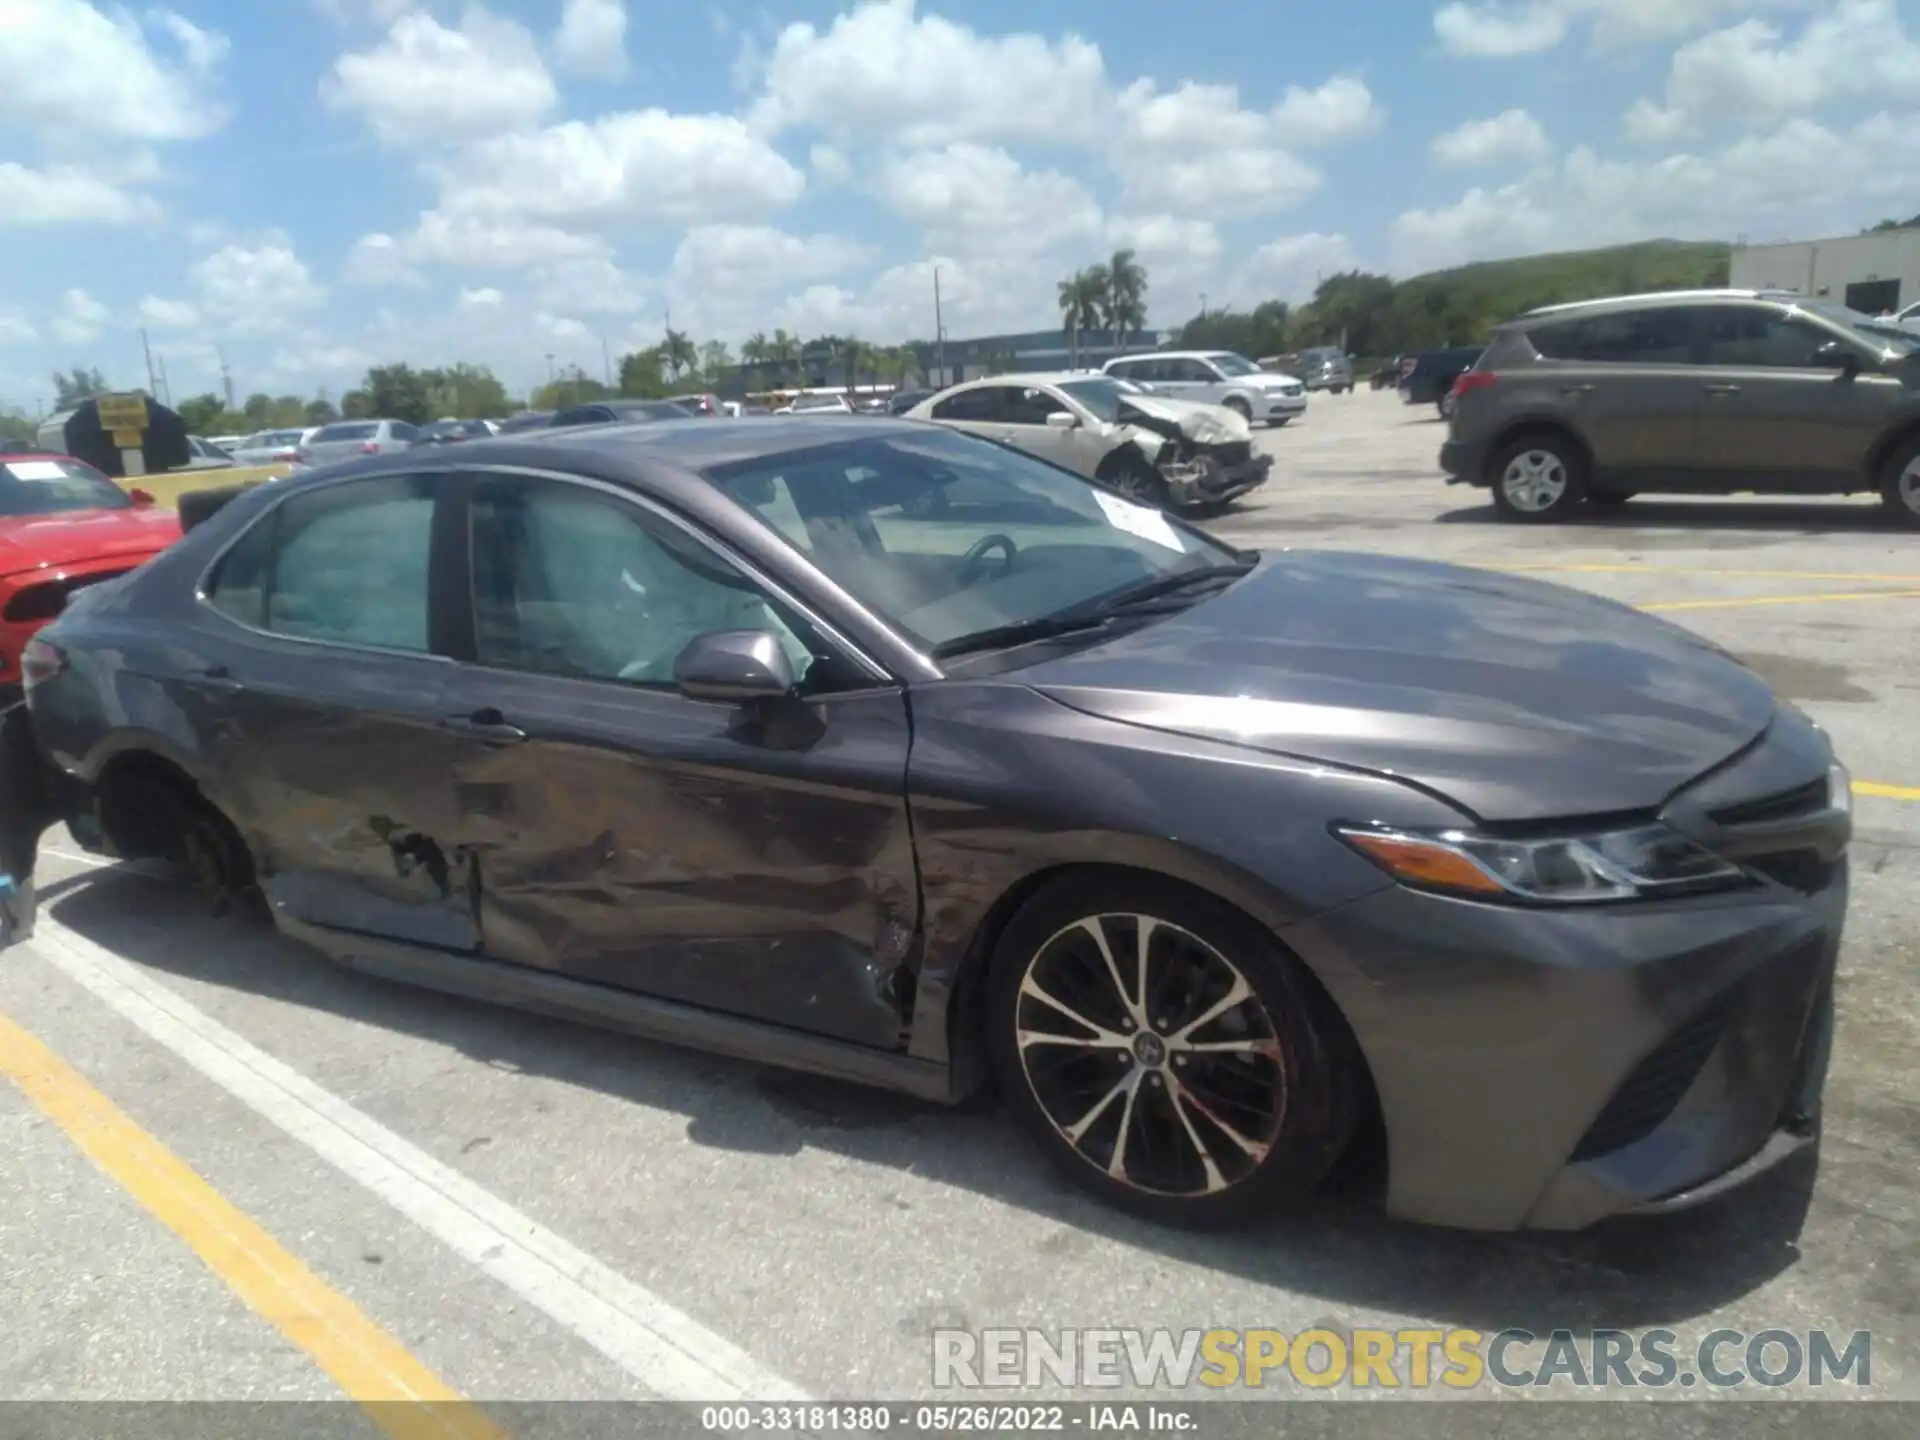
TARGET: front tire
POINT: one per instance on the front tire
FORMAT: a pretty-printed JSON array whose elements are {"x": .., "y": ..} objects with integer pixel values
[
  {"x": 1900, "y": 484},
  {"x": 1239, "y": 407},
  {"x": 1130, "y": 474},
  {"x": 1538, "y": 479},
  {"x": 1163, "y": 1052}
]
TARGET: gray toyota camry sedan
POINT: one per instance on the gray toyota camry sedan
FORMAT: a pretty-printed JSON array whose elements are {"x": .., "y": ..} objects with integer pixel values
[{"x": 873, "y": 749}]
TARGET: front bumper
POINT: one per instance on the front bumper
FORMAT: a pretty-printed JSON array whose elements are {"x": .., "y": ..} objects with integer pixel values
[
  {"x": 1545, "y": 1069},
  {"x": 1212, "y": 482},
  {"x": 1277, "y": 406}
]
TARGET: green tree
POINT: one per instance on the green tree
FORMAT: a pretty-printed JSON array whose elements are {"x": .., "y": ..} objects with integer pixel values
[
  {"x": 575, "y": 387},
  {"x": 357, "y": 405},
  {"x": 257, "y": 412},
  {"x": 1124, "y": 308},
  {"x": 398, "y": 392},
  {"x": 201, "y": 413},
  {"x": 17, "y": 427},
  {"x": 715, "y": 360},
  {"x": 642, "y": 374},
  {"x": 73, "y": 386},
  {"x": 466, "y": 392},
  {"x": 784, "y": 352},
  {"x": 1081, "y": 297},
  {"x": 679, "y": 353}
]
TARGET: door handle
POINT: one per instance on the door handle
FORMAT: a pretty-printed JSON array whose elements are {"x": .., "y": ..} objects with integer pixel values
[
  {"x": 218, "y": 677},
  {"x": 1721, "y": 388},
  {"x": 487, "y": 725},
  {"x": 1576, "y": 389}
]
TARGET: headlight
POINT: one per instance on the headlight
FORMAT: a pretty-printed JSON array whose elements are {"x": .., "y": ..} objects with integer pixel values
[
  {"x": 1839, "y": 788},
  {"x": 1638, "y": 863}
]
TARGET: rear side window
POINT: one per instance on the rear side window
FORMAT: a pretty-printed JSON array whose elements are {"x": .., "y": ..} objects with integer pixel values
[
  {"x": 352, "y": 430},
  {"x": 582, "y": 415},
  {"x": 1638, "y": 337},
  {"x": 346, "y": 564},
  {"x": 404, "y": 431}
]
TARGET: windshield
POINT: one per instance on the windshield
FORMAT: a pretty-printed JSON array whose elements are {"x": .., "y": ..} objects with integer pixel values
[
  {"x": 1100, "y": 395},
  {"x": 1883, "y": 334},
  {"x": 816, "y": 402},
  {"x": 1230, "y": 364},
  {"x": 948, "y": 536},
  {"x": 47, "y": 486}
]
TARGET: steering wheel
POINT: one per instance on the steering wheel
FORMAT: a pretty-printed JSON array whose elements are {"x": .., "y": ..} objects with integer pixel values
[{"x": 973, "y": 563}]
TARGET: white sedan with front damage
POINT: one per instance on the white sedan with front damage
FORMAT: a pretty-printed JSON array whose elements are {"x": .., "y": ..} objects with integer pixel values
[{"x": 1171, "y": 453}]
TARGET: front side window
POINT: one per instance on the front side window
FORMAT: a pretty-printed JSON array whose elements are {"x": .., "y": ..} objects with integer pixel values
[
  {"x": 570, "y": 581},
  {"x": 47, "y": 486},
  {"x": 947, "y": 536},
  {"x": 980, "y": 406},
  {"x": 1752, "y": 337},
  {"x": 350, "y": 430},
  {"x": 582, "y": 415},
  {"x": 1230, "y": 364},
  {"x": 346, "y": 564}
]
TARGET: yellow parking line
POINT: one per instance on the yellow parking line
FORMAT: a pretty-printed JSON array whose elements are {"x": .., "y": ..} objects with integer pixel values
[
  {"x": 1710, "y": 574},
  {"x": 1836, "y": 598},
  {"x": 1886, "y": 792},
  {"x": 368, "y": 1364}
]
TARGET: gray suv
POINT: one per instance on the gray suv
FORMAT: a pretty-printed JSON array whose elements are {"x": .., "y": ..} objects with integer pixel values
[{"x": 1713, "y": 392}]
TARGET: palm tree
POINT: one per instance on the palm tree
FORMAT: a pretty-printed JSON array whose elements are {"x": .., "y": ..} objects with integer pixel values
[
  {"x": 1126, "y": 292},
  {"x": 679, "y": 352},
  {"x": 783, "y": 350},
  {"x": 1080, "y": 302}
]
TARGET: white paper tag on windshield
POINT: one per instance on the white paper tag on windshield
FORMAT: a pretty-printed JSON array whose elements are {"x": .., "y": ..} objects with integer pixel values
[
  {"x": 1147, "y": 523},
  {"x": 35, "y": 470}
]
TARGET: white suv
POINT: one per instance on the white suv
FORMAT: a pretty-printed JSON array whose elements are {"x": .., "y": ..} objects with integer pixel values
[{"x": 1216, "y": 377}]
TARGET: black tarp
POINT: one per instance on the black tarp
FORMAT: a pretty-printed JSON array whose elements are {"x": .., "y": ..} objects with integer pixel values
[{"x": 165, "y": 442}]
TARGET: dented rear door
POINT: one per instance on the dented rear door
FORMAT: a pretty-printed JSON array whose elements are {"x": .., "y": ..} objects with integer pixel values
[{"x": 332, "y": 702}]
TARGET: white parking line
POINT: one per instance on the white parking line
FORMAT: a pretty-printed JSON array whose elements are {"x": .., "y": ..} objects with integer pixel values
[{"x": 672, "y": 1355}]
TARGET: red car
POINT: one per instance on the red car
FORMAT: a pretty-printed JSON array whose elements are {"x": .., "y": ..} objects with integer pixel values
[{"x": 63, "y": 526}]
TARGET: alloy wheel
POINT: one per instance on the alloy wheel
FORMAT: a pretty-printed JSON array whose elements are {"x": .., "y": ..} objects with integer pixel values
[
  {"x": 1151, "y": 1055},
  {"x": 1907, "y": 487},
  {"x": 1534, "y": 481}
]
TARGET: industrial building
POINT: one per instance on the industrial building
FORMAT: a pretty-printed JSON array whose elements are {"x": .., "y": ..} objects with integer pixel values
[{"x": 1877, "y": 272}]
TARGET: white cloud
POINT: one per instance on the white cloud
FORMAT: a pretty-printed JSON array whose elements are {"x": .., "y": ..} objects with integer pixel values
[
  {"x": 830, "y": 164},
  {"x": 1290, "y": 267},
  {"x": 62, "y": 194},
  {"x": 588, "y": 285},
  {"x": 1502, "y": 28},
  {"x": 976, "y": 199},
  {"x": 636, "y": 165},
  {"x": 1856, "y": 49},
  {"x": 203, "y": 50},
  {"x": 485, "y": 295},
  {"x": 251, "y": 290},
  {"x": 1651, "y": 124},
  {"x": 880, "y": 69},
  {"x": 16, "y": 328},
  {"x": 592, "y": 39},
  {"x": 470, "y": 241},
  {"x": 79, "y": 319},
  {"x": 349, "y": 12},
  {"x": 1340, "y": 109},
  {"x": 427, "y": 84},
  {"x": 1801, "y": 178},
  {"x": 171, "y": 314},
  {"x": 74, "y": 70},
  {"x": 1197, "y": 147},
  {"x": 1510, "y": 135},
  {"x": 722, "y": 257}
]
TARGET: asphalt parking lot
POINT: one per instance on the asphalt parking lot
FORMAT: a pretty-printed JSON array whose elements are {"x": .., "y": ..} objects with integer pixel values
[{"x": 243, "y": 1174}]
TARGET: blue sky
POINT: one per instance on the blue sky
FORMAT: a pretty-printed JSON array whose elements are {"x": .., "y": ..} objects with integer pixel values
[{"x": 310, "y": 186}]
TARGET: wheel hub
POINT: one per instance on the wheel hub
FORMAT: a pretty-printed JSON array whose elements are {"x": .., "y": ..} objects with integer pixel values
[{"x": 1149, "y": 1050}]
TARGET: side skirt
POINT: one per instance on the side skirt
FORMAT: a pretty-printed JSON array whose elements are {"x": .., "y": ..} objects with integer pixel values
[{"x": 664, "y": 1020}]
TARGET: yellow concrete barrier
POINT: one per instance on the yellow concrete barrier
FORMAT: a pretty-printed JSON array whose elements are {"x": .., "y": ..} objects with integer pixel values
[{"x": 168, "y": 488}]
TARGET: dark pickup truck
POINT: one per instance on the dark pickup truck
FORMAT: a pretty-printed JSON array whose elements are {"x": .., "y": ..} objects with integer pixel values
[{"x": 1425, "y": 379}]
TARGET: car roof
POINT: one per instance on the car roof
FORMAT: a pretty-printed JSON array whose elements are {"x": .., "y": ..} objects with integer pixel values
[{"x": 1609, "y": 304}]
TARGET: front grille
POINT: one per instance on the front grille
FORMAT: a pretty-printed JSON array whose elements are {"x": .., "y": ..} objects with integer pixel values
[
  {"x": 1642, "y": 1104},
  {"x": 1807, "y": 799},
  {"x": 1802, "y": 870},
  {"x": 1232, "y": 455},
  {"x": 43, "y": 602}
]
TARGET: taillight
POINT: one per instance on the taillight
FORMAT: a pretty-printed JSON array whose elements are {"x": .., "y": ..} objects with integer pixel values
[
  {"x": 1407, "y": 367},
  {"x": 369, "y": 447},
  {"x": 41, "y": 660},
  {"x": 1469, "y": 380}
]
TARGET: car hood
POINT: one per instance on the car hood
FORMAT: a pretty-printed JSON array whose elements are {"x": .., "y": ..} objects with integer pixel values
[
  {"x": 1202, "y": 424},
  {"x": 28, "y": 542},
  {"x": 1516, "y": 699}
]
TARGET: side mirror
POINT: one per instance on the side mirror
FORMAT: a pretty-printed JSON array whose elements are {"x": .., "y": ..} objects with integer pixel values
[
  {"x": 1062, "y": 420},
  {"x": 140, "y": 498},
  {"x": 735, "y": 665},
  {"x": 1837, "y": 355}
]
